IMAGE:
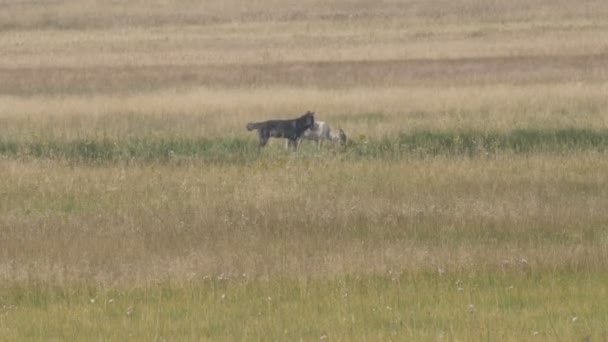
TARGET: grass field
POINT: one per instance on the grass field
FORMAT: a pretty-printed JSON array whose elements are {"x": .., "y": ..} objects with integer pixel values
[{"x": 469, "y": 203}]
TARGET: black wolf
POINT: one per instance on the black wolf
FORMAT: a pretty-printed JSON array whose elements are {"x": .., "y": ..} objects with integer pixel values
[{"x": 292, "y": 130}]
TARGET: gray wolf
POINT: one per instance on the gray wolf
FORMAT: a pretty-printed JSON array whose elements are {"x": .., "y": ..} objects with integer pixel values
[
  {"x": 321, "y": 131},
  {"x": 291, "y": 130}
]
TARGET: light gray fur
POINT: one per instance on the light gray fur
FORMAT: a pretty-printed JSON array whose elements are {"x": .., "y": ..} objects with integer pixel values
[{"x": 321, "y": 131}]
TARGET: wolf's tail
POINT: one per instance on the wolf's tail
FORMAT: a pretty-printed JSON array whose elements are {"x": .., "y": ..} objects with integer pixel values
[{"x": 253, "y": 125}]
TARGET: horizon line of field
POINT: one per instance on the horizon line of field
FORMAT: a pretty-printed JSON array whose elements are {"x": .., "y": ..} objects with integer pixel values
[{"x": 235, "y": 149}]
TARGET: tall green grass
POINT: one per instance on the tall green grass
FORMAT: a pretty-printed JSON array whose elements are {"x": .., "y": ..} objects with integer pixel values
[
  {"x": 240, "y": 150},
  {"x": 473, "y": 143},
  {"x": 91, "y": 150}
]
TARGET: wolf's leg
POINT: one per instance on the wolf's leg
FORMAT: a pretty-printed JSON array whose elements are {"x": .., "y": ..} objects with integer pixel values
[
  {"x": 292, "y": 142},
  {"x": 263, "y": 137}
]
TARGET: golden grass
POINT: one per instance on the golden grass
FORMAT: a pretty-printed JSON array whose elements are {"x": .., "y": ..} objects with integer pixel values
[
  {"x": 403, "y": 44},
  {"x": 285, "y": 218},
  {"x": 369, "y": 111},
  {"x": 193, "y": 250},
  {"x": 281, "y": 42}
]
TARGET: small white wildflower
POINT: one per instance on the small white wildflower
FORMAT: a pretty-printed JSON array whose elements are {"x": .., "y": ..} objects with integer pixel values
[
  {"x": 440, "y": 270},
  {"x": 535, "y": 333},
  {"x": 471, "y": 308},
  {"x": 269, "y": 298},
  {"x": 110, "y": 300},
  {"x": 223, "y": 296},
  {"x": 574, "y": 319},
  {"x": 323, "y": 337},
  {"x": 92, "y": 300}
]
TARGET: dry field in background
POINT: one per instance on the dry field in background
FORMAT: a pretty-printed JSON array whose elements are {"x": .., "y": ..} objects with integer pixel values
[{"x": 470, "y": 204}]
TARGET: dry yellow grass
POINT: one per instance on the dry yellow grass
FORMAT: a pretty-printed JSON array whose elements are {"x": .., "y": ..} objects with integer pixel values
[
  {"x": 93, "y": 47},
  {"x": 191, "y": 70},
  {"x": 295, "y": 218},
  {"x": 370, "y": 111},
  {"x": 496, "y": 246},
  {"x": 297, "y": 41}
]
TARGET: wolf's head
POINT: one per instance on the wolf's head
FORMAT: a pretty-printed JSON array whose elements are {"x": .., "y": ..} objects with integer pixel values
[{"x": 307, "y": 120}]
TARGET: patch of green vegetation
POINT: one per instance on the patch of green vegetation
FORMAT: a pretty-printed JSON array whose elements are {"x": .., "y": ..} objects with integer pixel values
[
  {"x": 239, "y": 150},
  {"x": 89, "y": 150},
  {"x": 473, "y": 143},
  {"x": 409, "y": 306}
]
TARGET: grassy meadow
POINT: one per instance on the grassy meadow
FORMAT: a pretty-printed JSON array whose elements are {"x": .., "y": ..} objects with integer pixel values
[{"x": 468, "y": 204}]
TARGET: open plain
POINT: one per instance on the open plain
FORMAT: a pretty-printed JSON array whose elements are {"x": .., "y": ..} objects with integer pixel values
[{"x": 469, "y": 203}]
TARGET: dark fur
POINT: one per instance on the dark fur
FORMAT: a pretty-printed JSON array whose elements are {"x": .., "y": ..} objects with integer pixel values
[{"x": 291, "y": 130}]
